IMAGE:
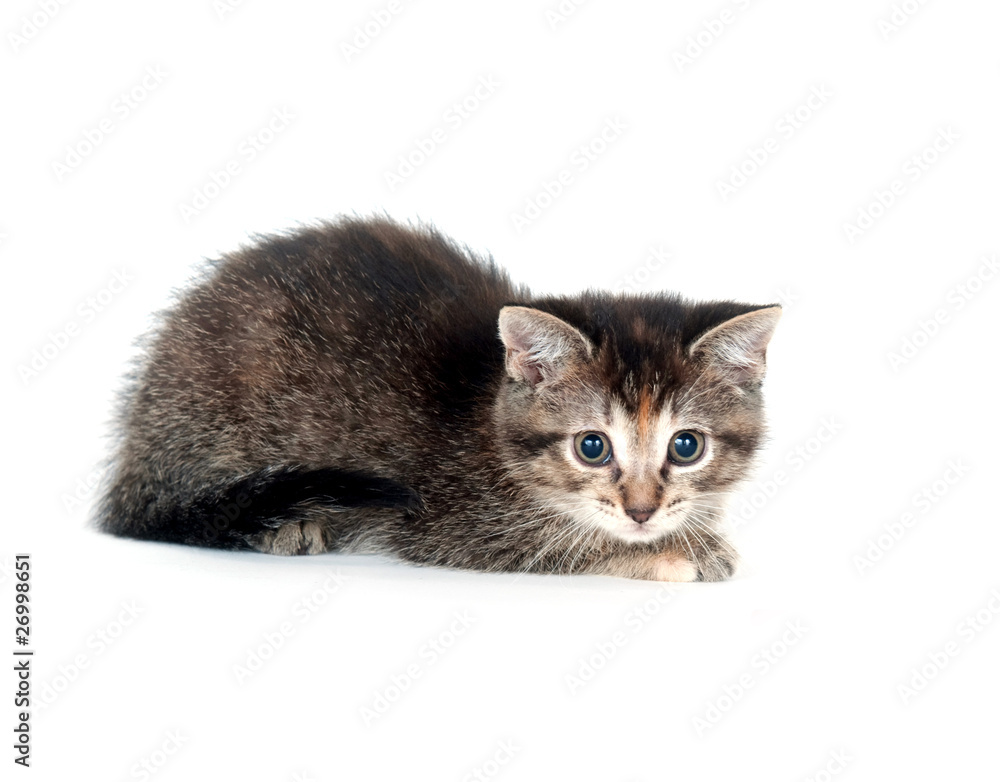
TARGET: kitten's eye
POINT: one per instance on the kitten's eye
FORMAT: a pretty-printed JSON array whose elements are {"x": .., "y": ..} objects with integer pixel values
[
  {"x": 686, "y": 447},
  {"x": 593, "y": 448}
]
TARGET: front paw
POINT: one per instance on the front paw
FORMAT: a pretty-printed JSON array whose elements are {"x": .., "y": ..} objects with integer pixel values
[
  {"x": 673, "y": 567},
  {"x": 705, "y": 558},
  {"x": 717, "y": 566},
  {"x": 717, "y": 559}
]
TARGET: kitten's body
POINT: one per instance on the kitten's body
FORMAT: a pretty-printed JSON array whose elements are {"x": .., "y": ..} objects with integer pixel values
[{"x": 345, "y": 388}]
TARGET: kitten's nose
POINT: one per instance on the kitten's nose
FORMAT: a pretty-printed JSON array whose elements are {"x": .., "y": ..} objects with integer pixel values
[{"x": 641, "y": 515}]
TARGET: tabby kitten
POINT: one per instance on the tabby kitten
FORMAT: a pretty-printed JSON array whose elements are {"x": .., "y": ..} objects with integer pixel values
[{"x": 364, "y": 386}]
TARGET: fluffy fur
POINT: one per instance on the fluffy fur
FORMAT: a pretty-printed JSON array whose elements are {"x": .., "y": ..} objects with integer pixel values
[{"x": 363, "y": 386}]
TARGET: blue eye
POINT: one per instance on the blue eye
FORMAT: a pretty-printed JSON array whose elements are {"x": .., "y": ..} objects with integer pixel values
[
  {"x": 593, "y": 448},
  {"x": 686, "y": 447}
]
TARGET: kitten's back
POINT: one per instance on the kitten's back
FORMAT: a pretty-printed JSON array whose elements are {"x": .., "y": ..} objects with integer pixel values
[{"x": 342, "y": 344}]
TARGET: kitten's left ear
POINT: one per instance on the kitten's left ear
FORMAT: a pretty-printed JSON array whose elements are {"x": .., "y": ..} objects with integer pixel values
[
  {"x": 540, "y": 346},
  {"x": 736, "y": 348}
]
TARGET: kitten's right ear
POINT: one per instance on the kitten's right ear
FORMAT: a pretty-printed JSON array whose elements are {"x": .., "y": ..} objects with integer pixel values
[
  {"x": 737, "y": 347},
  {"x": 540, "y": 346}
]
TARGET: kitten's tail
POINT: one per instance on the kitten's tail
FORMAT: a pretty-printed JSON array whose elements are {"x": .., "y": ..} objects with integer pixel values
[{"x": 226, "y": 514}]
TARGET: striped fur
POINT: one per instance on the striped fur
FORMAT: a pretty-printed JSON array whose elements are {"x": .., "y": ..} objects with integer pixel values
[{"x": 367, "y": 386}]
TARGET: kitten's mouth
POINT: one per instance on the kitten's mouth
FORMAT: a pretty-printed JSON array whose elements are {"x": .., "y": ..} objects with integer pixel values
[
  {"x": 636, "y": 531},
  {"x": 647, "y": 530}
]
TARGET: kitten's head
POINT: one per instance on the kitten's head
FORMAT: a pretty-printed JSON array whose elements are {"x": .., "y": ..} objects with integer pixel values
[{"x": 634, "y": 415}]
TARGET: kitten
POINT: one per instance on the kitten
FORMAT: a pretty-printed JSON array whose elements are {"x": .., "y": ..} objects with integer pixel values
[{"x": 364, "y": 386}]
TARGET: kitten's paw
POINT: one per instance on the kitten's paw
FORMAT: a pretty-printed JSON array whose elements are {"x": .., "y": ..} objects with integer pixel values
[
  {"x": 671, "y": 567},
  {"x": 717, "y": 561},
  {"x": 293, "y": 539},
  {"x": 714, "y": 559},
  {"x": 718, "y": 566}
]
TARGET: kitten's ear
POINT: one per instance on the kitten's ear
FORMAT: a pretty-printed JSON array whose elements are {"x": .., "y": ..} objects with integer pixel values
[
  {"x": 540, "y": 346},
  {"x": 736, "y": 348}
]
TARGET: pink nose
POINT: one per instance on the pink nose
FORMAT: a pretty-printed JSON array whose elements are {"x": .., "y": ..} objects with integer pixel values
[{"x": 641, "y": 515}]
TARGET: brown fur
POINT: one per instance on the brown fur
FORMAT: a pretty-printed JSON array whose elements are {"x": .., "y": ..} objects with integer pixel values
[{"x": 345, "y": 388}]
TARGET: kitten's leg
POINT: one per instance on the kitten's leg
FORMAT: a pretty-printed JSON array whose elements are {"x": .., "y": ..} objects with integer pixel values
[
  {"x": 705, "y": 556},
  {"x": 682, "y": 557},
  {"x": 317, "y": 529},
  {"x": 672, "y": 566},
  {"x": 290, "y": 539}
]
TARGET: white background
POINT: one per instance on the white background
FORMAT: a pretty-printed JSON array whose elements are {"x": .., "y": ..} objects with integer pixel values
[{"x": 857, "y": 436}]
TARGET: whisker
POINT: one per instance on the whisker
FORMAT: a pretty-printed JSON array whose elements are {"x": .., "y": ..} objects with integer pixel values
[
  {"x": 586, "y": 534},
  {"x": 719, "y": 539},
  {"x": 571, "y": 528}
]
